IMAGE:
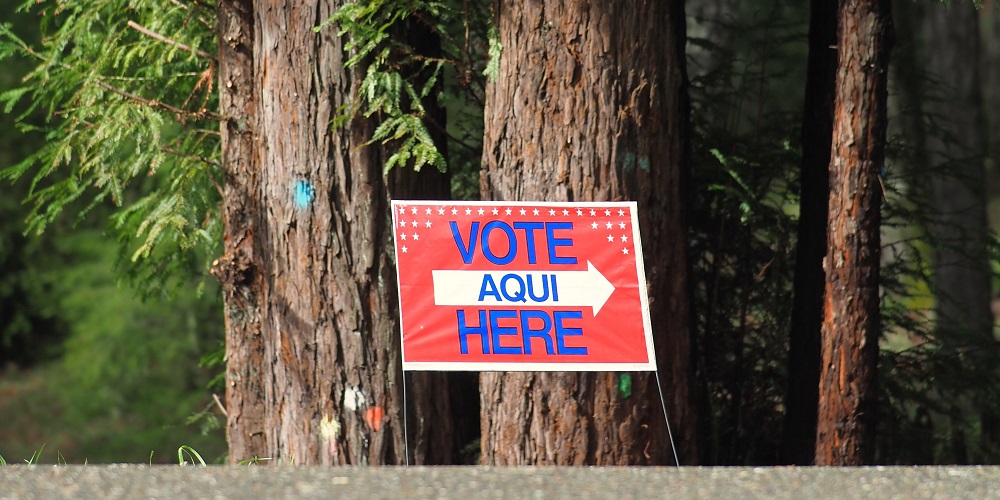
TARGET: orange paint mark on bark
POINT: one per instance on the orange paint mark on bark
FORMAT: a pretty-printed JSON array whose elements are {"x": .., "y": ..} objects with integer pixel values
[{"x": 374, "y": 417}]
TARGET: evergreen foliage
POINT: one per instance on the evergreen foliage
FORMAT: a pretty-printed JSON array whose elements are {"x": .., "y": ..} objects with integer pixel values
[
  {"x": 120, "y": 376},
  {"x": 126, "y": 89},
  {"x": 400, "y": 79},
  {"x": 30, "y": 324}
]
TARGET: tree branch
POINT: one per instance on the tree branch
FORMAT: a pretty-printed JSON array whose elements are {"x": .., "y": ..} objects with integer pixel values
[
  {"x": 152, "y": 34},
  {"x": 188, "y": 9},
  {"x": 161, "y": 105},
  {"x": 207, "y": 161}
]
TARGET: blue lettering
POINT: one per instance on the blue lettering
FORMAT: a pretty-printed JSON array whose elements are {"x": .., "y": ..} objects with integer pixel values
[
  {"x": 562, "y": 332},
  {"x": 489, "y": 288},
  {"x": 518, "y": 295},
  {"x": 540, "y": 333},
  {"x": 464, "y": 331},
  {"x": 465, "y": 250},
  {"x": 497, "y": 331},
  {"x": 553, "y": 242},
  {"x": 511, "y": 242},
  {"x": 529, "y": 237},
  {"x": 532, "y": 325},
  {"x": 545, "y": 288}
]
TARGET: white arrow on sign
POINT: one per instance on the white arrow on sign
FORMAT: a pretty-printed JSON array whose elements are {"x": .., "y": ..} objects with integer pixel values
[{"x": 552, "y": 288}]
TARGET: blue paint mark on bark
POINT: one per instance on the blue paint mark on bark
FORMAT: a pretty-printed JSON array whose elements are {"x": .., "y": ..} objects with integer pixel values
[{"x": 303, "y": 193}]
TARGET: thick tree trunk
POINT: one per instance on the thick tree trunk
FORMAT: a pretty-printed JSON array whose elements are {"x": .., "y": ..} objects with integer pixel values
[
  {"x": 798, "y": 444},
  {"x": 850, "y": 333},
  {"x": 591, "y": 104},
  {"x": 237, "y": 269},
  {"x": 313, "y": 368}
]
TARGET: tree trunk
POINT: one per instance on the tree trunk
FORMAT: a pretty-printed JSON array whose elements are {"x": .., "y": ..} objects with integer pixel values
[
  {"x": 850, "y": 333},
  {"x": 798, "y": 444},
  {"x": 313, "y": 371},
  {"x": 991, "y": 19},
  {"x": 591, "y": 104},
  {"x": 961, "y": 267},
  {"x": 962, "y": 283}
]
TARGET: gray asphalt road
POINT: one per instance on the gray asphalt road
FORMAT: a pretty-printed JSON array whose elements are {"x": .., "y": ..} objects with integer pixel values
[{"x": 466, "y": 483}]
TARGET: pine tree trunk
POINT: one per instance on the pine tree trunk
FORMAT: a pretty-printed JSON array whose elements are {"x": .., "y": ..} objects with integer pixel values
[
  {"x": 313, "y": 371},
  {"x": 237, "y": 270},
  {"x": 590, "y": 104},
  {"x": 850, "y": 333},
  {"x": 798, "y": 444}
]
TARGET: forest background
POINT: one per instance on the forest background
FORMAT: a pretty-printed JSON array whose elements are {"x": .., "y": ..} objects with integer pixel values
[{"x": 98, "y": 368}]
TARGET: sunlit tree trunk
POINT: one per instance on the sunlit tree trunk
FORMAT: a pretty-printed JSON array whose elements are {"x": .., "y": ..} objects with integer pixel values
[
  {"x": 590, "y": 104},
  {"x": 313, "y": 372},
  {"x": 850, "y": 333}
]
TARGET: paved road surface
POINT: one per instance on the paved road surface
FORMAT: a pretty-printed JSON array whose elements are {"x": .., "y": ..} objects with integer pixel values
[{"x": 468, "y": 483}]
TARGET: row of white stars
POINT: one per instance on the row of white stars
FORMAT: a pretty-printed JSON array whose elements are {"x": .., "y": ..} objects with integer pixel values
[
  {"x": 509, "y": 211},
  {"x": 611, "y": 239},
  {"x": 403, "y": 223},
  {"x": 428, "y": 224}
]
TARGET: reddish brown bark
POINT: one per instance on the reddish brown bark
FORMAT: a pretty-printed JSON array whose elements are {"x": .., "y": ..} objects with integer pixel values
[
  {"x": 591, "y": 104},
  {"x": 850, "y": 335},
  {"x": 313, "y": 368},
  {"x": 236, "y": 268}
]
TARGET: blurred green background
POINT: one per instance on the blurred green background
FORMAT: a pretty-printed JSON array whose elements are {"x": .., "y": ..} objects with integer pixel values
[{"x": 89, "y": 371}]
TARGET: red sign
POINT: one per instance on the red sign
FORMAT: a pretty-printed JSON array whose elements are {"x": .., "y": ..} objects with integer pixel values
[{"x": 521, "y": 286}]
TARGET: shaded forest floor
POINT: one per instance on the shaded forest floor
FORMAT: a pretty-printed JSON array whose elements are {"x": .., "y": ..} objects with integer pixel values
[{"x": 36, "y": 419}]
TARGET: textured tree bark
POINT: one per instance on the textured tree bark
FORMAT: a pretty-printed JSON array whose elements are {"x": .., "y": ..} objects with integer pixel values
[
  {"x": 850, "y": 333},
  {"x": 798, "y": 443},
  {"x": 313, "y": 368},
  {"x": 591, "y": 104},
  {"x": 242, "y": 282}
]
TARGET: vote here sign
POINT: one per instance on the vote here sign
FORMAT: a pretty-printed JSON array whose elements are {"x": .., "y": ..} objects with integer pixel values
[{"x": 521, "y": 286}]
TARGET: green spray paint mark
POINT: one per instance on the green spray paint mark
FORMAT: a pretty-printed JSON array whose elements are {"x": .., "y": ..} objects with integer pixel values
[
  {"x": 628, "y": 162},
  {"x": 625, "y": 385},
  {"x": 644, "y": 163}
]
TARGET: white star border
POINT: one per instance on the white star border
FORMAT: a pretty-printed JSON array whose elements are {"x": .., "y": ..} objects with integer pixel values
[
  {"x": 617, "y": 219},
  {"x": 629, "y": 215}
]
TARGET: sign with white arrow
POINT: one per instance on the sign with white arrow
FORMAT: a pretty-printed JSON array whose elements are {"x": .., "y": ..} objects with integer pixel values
[
  {"x": 469, "y": 288},
  {"x": 521, "y": 286}
]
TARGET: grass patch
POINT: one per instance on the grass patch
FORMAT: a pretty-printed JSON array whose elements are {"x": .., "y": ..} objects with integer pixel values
[{"x": 34, "y": 410}]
